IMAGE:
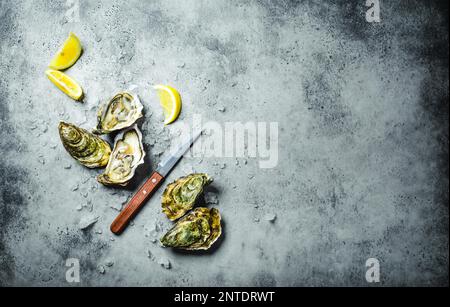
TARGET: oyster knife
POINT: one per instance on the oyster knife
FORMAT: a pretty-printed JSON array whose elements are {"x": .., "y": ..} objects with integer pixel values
[{"x": 151, "y": 185}]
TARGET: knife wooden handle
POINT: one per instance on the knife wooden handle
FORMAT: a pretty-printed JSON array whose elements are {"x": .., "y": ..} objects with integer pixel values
[{"x": 136, "y": 203}]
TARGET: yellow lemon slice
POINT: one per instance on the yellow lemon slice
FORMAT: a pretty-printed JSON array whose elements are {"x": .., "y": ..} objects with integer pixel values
[
  {"x": 170, "y": 101},
  {"x": 67, "y": 54},
  {"x": 66, "y": 84}
]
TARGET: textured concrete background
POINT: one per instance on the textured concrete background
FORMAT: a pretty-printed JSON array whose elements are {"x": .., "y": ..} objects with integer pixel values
[{"x": 363, "y": 136}]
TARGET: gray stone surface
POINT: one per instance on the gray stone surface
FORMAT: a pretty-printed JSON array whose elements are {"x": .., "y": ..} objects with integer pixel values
[{"x": 363, "y": 135}]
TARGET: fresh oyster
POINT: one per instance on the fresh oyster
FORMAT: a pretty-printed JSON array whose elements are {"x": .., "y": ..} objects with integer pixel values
[
  {"x": 122, "y": 111},
  {"x": 198, "y": 229},
  {"x": 128, "y": 153},
  {"x": 180, "y": 195},
  {"x": 90, "y": 150}
]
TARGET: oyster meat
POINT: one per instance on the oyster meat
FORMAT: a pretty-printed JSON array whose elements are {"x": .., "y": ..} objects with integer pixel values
[
  {"x": 197, "y": 230},
  {"x": 128, "y": 153},
  {"x": 122, "y": 111},
  {"x": 89, "y": 149},
  {"x": 179, "y": 196}
]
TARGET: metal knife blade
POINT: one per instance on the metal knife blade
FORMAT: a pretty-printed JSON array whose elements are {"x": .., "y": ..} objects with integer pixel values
[{"x": 171, "y": 158}]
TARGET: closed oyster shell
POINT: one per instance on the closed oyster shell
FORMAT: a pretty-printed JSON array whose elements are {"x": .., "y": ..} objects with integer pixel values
[
  {"x": 128, "y": 153},
  {"x": 87, "y": 148},
  {"x": 122, "y": 111},
  {"x": 197, "y": 230},
  {"x": 179, "y": 196}
]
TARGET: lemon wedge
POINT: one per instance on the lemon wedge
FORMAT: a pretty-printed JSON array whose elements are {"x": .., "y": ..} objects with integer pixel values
[
  {"x": 170, "y": 100},
  {"x": 67, "y": 54},
  {"x": 66, "y": 84}
]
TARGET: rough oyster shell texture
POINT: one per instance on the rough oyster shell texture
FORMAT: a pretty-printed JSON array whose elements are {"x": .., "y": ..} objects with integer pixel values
[
  {"x": 122, "y": 111},
  {"x": 128, "y": 153},
  {"x": 197, "y": 230},
  {"x": 179, "y": 196},
  {"x": 87, "y": 148}
]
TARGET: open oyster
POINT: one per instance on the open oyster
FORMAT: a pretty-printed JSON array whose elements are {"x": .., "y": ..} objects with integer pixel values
[
  {"x": 122, "y": 111},
  {"x": 198, "y": 229},
  {"x": 128, "y": 153},
  {"x": 90, "y": 150},
  {"x": 180, "y": 195}
]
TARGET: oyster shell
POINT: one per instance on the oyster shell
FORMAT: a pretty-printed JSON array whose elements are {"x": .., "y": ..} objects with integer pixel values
[
  {"x": 198, "y": 229},
  {"x": 128, "y": 153},
  {"x": 179, "y": 196},
  {"x": 89, "y": 149},
  {"x": 122, "y": 111}
]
